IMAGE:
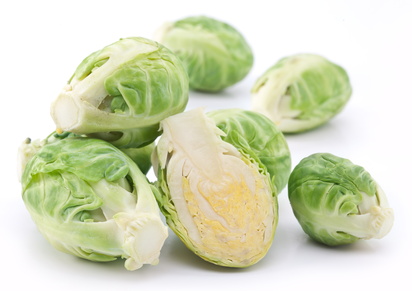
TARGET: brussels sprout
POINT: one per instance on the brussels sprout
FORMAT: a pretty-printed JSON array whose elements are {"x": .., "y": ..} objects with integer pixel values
[
  {"x": 256, "y": 136},
  {"x": 90, "y": 200},
  {"x": 337, "y": 202},
  {"x": 214, "y": 53},
  {"x": 141, "y": 156},
  {"x": 301, "y": 92},
  {"x": 217, "y": 199},
  {"x": 122, "y": 92}
]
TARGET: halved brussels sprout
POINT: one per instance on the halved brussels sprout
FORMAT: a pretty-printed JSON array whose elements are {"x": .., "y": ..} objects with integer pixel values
[
  {"x": 214, "y": 53},
  {"x": 301, "y": 92},
  {"x": 257, "y": 136},
  {"x": 219, "y": 200},
  {"x": 122, "y": 92},
  {"x": 337, "y": 202},
  {"x": 90, "y": 200}
]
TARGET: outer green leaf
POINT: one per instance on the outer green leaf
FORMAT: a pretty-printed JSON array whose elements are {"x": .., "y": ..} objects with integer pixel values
[
  {"x": 141, "y": 156},
  {"x": 256, "y": 136}
]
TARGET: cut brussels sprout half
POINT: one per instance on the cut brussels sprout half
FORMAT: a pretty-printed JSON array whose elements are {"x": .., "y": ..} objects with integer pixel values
[
  {"x": 301, "y": 92},
  {"x": 217, "y": 199},
  {"x": 121, "y": 93},
  {"x": 214, "y": 53},
  {"x": 337, "y": 202},
  {"x": 90, "y": 200}
]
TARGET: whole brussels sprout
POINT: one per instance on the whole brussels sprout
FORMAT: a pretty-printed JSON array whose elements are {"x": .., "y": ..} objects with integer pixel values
[
  {"x": 255, "y": 135},
  {"x": 218, "y": 199},
  {"x": 141, "y": 156},
  {"x": 214, "y": 53},
  {"x": 89, "y": 199},
  {"x": 301, "y": 92},
  {"x": 337, "y": 202},
  {"x": 121, "y": 93}
]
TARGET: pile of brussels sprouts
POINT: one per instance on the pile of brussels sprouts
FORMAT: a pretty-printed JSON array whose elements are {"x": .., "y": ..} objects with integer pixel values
[{"x": 218, "y": 173}]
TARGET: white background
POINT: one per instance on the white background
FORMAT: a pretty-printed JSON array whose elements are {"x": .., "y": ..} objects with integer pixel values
[{"x": 42, "y": 42}]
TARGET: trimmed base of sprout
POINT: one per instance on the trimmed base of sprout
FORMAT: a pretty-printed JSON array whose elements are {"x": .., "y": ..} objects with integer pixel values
[
  {"x": 372, "y": 222},
  {"x": 65, "y": 111},
  {"x": 378, "y": 217},
  {"x": 143, "y": 239}
]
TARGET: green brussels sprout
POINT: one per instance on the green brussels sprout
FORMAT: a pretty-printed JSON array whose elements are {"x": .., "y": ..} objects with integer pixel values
[
  {"x": 256, "y": 136},
  {"x": 301, "y": 92},
  {"x": 217, "y": 199},
  {"x": 141, "y": 156},
  {"x": 214, "y": 53},
  {"x": 337, "y": 202},
  {"x": 89, "y": 199},
  {"x": 121, "y": 93}
]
